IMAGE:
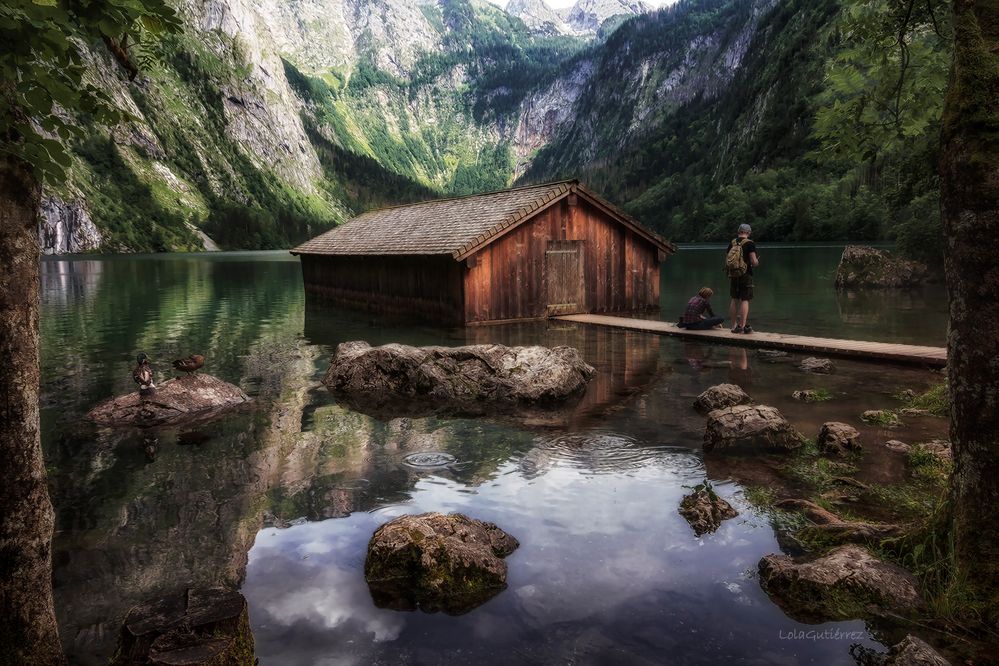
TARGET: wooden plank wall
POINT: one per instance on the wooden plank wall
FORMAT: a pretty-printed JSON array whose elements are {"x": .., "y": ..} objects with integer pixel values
[
  {"x": 508, "y": 281},
  {"x": 420, "y": 286}
]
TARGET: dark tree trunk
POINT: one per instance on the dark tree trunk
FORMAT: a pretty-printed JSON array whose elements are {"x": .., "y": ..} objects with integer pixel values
[
  {"x": 969, "y": 172},
  {"x": 28, "y": 632}
]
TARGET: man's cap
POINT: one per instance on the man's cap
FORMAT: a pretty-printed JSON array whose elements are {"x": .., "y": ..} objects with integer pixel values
[{"x": 745, "y": 229}]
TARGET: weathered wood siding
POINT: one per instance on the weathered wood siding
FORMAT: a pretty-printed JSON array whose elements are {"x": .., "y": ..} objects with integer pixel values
[
  {"x": 507, "y": 279},
  {"x": 426, "y": 287}
]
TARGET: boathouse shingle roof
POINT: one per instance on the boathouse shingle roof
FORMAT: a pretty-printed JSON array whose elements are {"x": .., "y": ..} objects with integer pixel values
[{"x": 456, "y": 226}]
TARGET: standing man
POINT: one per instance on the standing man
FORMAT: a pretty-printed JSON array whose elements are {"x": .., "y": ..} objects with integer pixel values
[{"x": 739, "y": 263}]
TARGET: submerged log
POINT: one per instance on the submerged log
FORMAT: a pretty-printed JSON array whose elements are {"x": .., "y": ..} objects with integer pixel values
[
  {"x": 398, "y": 380},
  {"x": 198, "y": 627},
  {"x": 192, "y": 397},
  {"x": 437, "y": 562}
]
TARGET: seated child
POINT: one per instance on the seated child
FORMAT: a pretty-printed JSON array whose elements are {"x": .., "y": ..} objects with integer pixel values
[{"x": 699, "y": 315}]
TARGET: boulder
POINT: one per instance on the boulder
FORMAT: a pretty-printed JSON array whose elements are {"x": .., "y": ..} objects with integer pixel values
[
  {"x": 721, "y": 396},
  {"x": 862, "y": 266},
  {"x": 437, "y": 562},
  {"x": 819, "y": 366},
  {"x": 749, "y": 426},
  {"x": 910, "y": 651},
  {"x": 398, "y": 380},
  {"x": 195, "y": 627},
  {"x": 838, "y": 438},
  {"x": 940, "y": 448},
  {"x": 704, "y": 510},
  {"x": 193, "y": 397},
  {"x": 847, "y": 583}
]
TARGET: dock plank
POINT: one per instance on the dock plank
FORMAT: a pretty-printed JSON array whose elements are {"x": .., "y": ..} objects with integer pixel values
[{"x": 857, "y": 349}]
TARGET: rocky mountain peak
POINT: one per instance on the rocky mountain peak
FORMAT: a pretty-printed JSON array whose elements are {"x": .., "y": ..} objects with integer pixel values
[{"x": 583, "y": 19}]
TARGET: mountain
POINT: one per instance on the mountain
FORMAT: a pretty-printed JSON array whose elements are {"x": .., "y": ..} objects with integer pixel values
[
  {"x": 584, "y": 19},
  {"x": 268, "y": 121}
]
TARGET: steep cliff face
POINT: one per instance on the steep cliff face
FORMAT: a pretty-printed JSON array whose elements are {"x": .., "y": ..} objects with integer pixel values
[{"x": 270, "y": 121}]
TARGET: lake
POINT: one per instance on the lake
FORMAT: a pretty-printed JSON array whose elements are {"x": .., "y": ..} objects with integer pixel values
[{"x": 280, "y": 498}]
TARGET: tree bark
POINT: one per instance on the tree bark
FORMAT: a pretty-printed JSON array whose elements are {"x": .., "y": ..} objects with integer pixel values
[
  {"x": 28, "y": 631},
  {"x": 969, "y": 171}
]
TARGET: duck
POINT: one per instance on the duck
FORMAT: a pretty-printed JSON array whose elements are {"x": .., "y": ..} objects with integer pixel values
[
  {"x": 189, "y": 364},
  {"x": 142, "y": 373}
]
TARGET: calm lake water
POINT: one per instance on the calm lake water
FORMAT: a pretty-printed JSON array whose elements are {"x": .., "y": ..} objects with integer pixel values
[{"x": 280, "y": 498}]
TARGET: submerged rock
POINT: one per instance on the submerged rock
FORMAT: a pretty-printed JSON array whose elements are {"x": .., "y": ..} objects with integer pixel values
[
  {"x": 810, "y": 395},
  {"x": 910, "y": 651},
  {"x": 191, "y": 397},
  {"x": 437, "y": 562},
  {"x": 897, "y": 446},
  {"x": 400, "y": 380},
  {"x": 195, "y": 627},
  {"x": 847, "y": 583},
  {"x": 705, "y": 511},
  {"x": 862, "y": 266},
  {"x": 882, "y": 417},
  {"x": 838, "y": 438},
  {"x": 819, "y": 366},
  {"x": 744, "y": 426},
  {"x": 721, "y": 396}
]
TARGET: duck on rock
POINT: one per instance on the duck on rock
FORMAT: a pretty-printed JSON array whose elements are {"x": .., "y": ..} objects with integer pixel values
[
  {"x": 190, "y": 364},
  {"x": 142, "y": 374}
]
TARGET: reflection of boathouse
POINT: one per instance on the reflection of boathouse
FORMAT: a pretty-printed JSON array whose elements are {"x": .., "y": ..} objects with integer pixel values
[{"x": 524, "y": 253}]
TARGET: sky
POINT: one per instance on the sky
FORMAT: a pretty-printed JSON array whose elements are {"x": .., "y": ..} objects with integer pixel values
[{"x": 570, "y": 3}]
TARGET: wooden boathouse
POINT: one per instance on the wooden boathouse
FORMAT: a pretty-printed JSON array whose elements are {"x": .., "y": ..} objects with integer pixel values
[{"x": 523, "y": 253}]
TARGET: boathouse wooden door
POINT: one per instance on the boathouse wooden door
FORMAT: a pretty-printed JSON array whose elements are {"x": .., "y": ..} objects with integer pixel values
[{"x": 564, "y": 277}]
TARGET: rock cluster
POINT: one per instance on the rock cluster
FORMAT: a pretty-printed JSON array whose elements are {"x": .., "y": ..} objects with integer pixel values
[
  {"x": 198, "y": 626},
  {"x": 846, "y": 583},
  {"x": 400, "y": 380},
  {"x": 437, "y": 562},
  {"x": 862, "y": 266},
  {"x": 838, "y": 438},
  {"x": 196, "y": 396},
  {"x": 705, "y": 511},
  {"x": 721, "y": 396},
  {"x": 749, "y": 426}
]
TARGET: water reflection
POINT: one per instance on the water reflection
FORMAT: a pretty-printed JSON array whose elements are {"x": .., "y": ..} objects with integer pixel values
[{"x": 282, "y": 498}]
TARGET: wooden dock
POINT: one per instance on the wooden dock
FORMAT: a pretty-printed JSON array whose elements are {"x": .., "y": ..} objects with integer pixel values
[{"x": 857, "y": 349}]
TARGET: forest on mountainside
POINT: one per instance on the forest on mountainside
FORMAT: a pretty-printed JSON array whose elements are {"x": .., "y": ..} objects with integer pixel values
[{"x": 786, "y": 114}]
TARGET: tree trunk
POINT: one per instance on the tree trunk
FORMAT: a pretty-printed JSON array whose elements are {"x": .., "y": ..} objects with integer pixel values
[
  {"x": 969, "y": 170},
  {"x": 28, "y": 631}
]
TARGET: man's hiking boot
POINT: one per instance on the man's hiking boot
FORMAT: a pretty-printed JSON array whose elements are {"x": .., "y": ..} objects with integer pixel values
[
  {"x": 737, "y": 329},
  {"x": 747, "y": 329}
]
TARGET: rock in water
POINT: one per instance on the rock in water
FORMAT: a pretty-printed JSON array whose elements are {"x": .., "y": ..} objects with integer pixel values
[
  {"x": 208, "y": 627},
  {"x": 191, "y": 397},
  {"x": 862, "y": 266},
  {"x": 396, "y": 379},
  {"x": 838, "y": 438},
  {"x": 819, "y": 366},
  {"x": 848, "y": 583},
  {"x": 437, "y": 562},
  {"x": 897, "y": 446},
  {"x": 745, "y": 426},
  {"x": 809, "y": 395},
  {"x": 705, "y": 511},
  {"x": 910, "y": 651},
  {"x": 721, "y": 396}
]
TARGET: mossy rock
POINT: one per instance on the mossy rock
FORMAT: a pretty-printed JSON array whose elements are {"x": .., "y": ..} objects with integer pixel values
[{"x": 437, "y": 562}]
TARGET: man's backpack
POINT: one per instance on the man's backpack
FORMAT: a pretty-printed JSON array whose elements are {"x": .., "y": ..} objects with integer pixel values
[{"x": 735, "y": 262}]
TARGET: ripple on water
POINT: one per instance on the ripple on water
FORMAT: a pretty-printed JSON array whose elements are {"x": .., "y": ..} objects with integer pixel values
[
  {"x": 608, "y": 453},
  {"x": 429, "y": 459}
]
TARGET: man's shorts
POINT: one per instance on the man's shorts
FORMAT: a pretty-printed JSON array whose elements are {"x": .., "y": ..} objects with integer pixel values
[{"x": 742, "y": 288}]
